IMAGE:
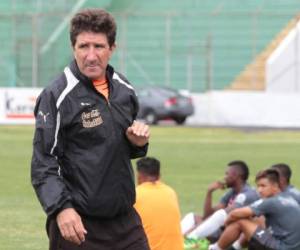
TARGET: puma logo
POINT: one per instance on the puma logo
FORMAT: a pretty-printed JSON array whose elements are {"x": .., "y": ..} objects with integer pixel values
[
  {"x": 260, "y": 233},
  {"x": 44, "y": 115},
  {"x": 85, "y": 104}
]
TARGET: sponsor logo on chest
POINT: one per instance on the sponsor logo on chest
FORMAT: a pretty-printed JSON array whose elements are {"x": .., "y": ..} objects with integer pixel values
[{"x": 91, "y": 119}]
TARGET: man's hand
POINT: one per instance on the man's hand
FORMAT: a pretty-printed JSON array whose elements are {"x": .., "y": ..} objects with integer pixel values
[
  {"x": 216, "y": 185},
  {"x": 138, "y": 133},
  {"x": 239, "y": 213},
  {"x": 229, "y": 220},
  {"x": 70, "y": 226}
]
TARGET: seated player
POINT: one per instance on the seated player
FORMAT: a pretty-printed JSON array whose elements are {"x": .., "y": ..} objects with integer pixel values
[
  {"x": 240, "y": 194},
  {"x": 285, "y": 174},
  {"x": 157, "y": 204},
  {"x": 282, "y": 214}
]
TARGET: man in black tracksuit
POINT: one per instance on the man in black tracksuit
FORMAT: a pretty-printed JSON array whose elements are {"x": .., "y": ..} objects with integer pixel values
[{"x": 84, "y": 139}]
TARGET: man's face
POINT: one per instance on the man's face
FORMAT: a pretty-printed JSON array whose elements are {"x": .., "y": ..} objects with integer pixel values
[
  {"x": 231, "y": 175},
  {"x": 266, "y": 188},
  {"x": 92, "y": 53}
]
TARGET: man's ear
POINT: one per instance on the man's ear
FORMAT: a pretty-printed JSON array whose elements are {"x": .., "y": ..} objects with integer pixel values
[
  {"x": 275, "y": 187},
  {"x": 140, "y": 178},
  {"x": 113, "y": 47}
]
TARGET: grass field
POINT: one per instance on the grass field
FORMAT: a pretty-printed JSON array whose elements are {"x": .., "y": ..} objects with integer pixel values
[{"x": 191, "y": 159}]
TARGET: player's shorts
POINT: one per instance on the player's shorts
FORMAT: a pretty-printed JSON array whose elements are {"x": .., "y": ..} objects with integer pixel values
[
  {"x": 262, "y": 239},
  {"x": 214, "y": 237},
  {"x": 122, "y": 232}
]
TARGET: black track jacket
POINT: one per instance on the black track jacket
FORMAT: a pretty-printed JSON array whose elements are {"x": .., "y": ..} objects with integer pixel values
[{"x": 81, "y": 155}]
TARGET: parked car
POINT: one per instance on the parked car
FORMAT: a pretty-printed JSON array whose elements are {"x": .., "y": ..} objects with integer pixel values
[{"x": 159, "y": 103}]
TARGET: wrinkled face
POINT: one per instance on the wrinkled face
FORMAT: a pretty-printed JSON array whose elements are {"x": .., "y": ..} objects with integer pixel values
[
  {"x": 231, "y": 175},
  {"x": 92, "y": 53},
  {"x": 265, "y": 188}
]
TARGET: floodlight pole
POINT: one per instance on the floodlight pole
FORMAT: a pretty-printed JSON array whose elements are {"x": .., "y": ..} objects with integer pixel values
[
  {"x": 167, "y": 49},
  {"x": 123, "y": 44},
  {"x": 34, "y": 51},
  {"x": 209, "y": 63},
  {"x": 297, "y": 54},
  {"x": 189, "y": 69}
]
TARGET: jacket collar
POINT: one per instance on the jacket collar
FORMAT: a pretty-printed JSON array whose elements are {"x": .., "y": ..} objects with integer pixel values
[{"x": 82, "y": 78}]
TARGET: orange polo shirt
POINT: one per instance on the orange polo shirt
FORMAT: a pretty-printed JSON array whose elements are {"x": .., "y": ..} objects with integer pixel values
[
  {"x": 157, "y": 204},
  {"x": 102, "y": 87}
]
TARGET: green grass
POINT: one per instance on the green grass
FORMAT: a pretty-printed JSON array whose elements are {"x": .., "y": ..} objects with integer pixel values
[{"x": 191, "y": 158}]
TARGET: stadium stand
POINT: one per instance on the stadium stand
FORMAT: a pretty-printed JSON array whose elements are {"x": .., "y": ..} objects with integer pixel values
[
  {"x": 196, "y": 45},
  {"x": 253, "y": 77}
]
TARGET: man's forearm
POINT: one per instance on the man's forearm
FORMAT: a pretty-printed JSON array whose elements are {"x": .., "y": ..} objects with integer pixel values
[
  {"x": 239, "y": 213},
  {"x": 208, "y": 210}
]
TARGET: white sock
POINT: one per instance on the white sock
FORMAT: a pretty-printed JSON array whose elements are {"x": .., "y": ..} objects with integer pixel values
[
  {"x": 237, "y": 245},
  {"x": 187, "y": 223},
  {"x": 214, "y": 247},
  {"x": 210, "y": 225}
]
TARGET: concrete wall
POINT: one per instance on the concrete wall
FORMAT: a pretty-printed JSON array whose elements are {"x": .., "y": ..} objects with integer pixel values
[
  {"x": 249, "y": 109},
  {"x": 216, "y": 108},
  {"x": 283, "y": 65}
]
